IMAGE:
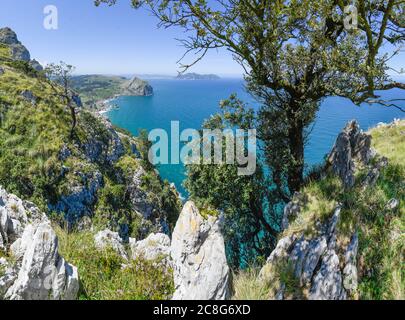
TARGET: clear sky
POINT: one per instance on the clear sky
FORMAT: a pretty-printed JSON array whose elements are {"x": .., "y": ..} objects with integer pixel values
[
  {"x": 112, "y": 40},
  {"x": 109, "y": 40}
]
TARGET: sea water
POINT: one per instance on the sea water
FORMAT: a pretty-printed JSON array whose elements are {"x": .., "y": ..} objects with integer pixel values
[{"x": 190, "y": 102}]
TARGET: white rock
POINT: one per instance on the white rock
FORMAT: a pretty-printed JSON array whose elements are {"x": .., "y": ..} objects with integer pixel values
[
  {"x": 108, "y": 238},
  {"x": 393, "y": 204},
  {"x": 200, "y": 268},
  {"x": 154, "y": 248},
  {"x": 42, "y": 275}
]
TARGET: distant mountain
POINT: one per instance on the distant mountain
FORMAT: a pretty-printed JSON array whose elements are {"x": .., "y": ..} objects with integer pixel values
[
  {"x": 196, "y": 76},
  {"x": 94, "y": 88}
]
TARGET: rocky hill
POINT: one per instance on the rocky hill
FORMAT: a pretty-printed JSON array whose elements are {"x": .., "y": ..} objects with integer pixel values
[
  {"x": 93, "y": 89},
  {"x": 17, "y": 50}
]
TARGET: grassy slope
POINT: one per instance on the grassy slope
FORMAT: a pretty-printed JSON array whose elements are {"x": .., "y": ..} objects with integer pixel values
[
  {"x": 33, "y": 135},
  {"x": 31, "y": 138},
  {"x": 381, "y": 232}
]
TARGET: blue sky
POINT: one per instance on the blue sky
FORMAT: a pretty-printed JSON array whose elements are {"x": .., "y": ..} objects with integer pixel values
[{"x": 115, "y": 40}]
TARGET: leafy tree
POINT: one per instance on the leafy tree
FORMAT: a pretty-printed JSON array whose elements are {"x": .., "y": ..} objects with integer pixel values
[
  {"x": 294, "y": 54},
  {"x": 59, "y": 78}
]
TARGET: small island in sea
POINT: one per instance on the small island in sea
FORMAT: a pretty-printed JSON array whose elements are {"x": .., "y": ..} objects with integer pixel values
[
  {"x": 94, "y": 89},
  {"x": 196, "y": 76}
]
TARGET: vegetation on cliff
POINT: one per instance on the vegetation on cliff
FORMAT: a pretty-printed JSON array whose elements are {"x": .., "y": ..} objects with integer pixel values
[{"x": 89, "y": 174}]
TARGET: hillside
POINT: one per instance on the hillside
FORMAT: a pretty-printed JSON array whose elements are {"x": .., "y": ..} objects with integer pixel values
[
  {"x": 93, "y": 89},
  {"x": 100, "y": 173}
]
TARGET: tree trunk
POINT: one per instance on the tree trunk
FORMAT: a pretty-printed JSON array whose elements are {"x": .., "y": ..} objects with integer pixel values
[{"x": 296, "y": 168}]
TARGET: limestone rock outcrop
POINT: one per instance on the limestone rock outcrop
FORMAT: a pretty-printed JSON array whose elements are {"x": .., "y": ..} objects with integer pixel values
[
  {"x": 37, "y": 271},
  {"x": 198, "y": 256},
  {"x": 352, "y": 144},
  {"x": 17, "y": 50},
  {"x": 109, "y": 239},
  {"x": 156, "y": 247}
]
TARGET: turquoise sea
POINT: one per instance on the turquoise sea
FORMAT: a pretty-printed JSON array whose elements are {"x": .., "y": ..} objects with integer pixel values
[{"x": 190, "y": 102}]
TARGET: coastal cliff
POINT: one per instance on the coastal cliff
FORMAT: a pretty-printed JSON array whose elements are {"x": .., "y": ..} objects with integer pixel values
[{"x": 94, "y": 89}]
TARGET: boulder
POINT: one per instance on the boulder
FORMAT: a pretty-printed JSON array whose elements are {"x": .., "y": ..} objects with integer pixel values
[
  {"x": 156, "y": 247},
  {"x": 29, "y": 97},
  {"x": 109, "y": 239},
  {"x": 393, "y": 204},
  {"x": 374, "y": 172},
  {"x": 200, "y": 268}
]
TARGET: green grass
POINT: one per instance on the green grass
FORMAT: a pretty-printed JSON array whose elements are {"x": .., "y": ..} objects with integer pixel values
[
  {"x": 248, "y": 286},
  {"x": 102, "y": 276}
]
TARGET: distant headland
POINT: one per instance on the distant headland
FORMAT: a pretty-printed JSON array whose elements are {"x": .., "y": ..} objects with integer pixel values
[
  {"x": 96, "y": 88},
  {"x": 196, "y": 76}
]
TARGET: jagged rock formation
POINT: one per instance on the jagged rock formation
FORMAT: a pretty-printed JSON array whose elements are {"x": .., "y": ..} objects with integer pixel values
[
  {"x": 198, "y": 253},
  {"x": 37, "y": 271},
  {"x": 17, "y": 50},
  {"x": 313, "y": 262},
  {"x": 352, "y": 144},
  {"x": 80, "y": 196},
  {"x": 136, "y": 87},
  {"x": 323, "y": 268}
]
